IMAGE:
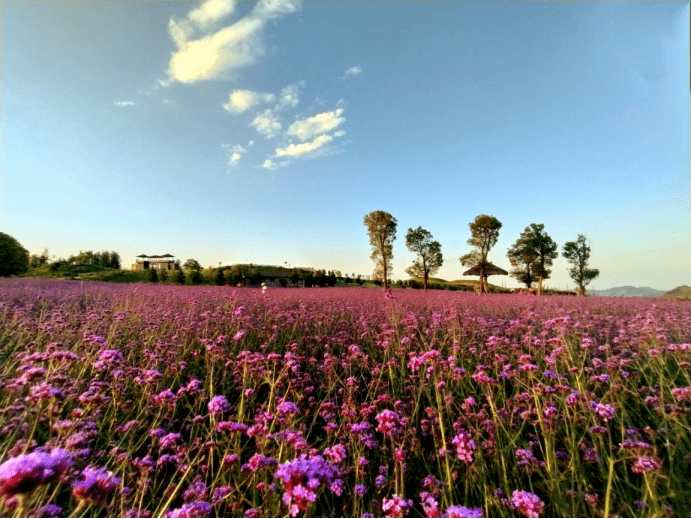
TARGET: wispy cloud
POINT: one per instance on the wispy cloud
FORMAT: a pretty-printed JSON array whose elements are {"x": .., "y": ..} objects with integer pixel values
[
  {"x": 241, "y": 100},
  {"x": 289, "y": 96},
  {"x": 353, "y": 71},
  {"x": 316, "y": 125},
  {"x": 216, "y": 55},
  {"x": 166, "y": 101},
  {"x": 267, "y": 124},
  {"x": 305, "y": 148},
  {"x": 124, "y": 103},
  {"x": 270, "y": 164},
  {"x": 234, "y": 153}
]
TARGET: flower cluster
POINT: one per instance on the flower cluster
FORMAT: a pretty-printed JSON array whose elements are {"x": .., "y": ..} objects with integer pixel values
[{"x": 303, "y": 478}]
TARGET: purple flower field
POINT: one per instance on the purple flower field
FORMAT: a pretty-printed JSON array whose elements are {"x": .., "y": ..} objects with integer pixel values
[{"x": 164, "y": 401}]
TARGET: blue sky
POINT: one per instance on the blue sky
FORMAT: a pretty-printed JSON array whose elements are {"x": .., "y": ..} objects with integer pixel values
[{"x": 264, "y": 132}]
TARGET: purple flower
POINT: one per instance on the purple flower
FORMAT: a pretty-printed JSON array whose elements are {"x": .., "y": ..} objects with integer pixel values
[
  {"x": 97, "y": 485},
  {"x": 287, "y": 408},
  {"x": 302, "y": 478},
  {"x": 462, "y": 511},
  {"x": 606, "y": 411},
  {"x": 389, "y": 422},
  {"x": 219, "y": 405},
  {"x": 24, "y": 473},
  {"x": 464, "y": 447},
  {"x": 396, "y": 506},
  {"x": 49, "y": 510},
  {"x": 645, "y": 464},
  {"x": 527, "y": 503},
  {"x": 194, "y": 509},
  {"x": 360, "y": 490}
]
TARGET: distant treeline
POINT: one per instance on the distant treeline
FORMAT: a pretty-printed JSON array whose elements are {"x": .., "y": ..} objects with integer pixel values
[{"x": 108, "y": 259}]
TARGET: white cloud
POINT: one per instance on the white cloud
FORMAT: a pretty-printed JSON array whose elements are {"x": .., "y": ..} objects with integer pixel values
[
  {"x": 241, "y": 100},
  {"x": 353, "y": 71},
  {"x": 210, "y": 12},
  {"x": 289, "y": 96},
  {"x": 270, "y": 164},
  {"x": 234, "y": 153},
  {"x": 214, "y": 56},
  {"x": 339, "y": 133},
  {"x": 297, "y": 150},
  {"x": 125, "y": 103},
  {"x": 267, "y": 124},
  {"x": 166, "y": 101},
  {"x": 316, "y": 125}
]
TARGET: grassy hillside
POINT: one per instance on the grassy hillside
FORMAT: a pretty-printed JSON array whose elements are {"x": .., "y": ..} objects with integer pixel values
[{"x": 682, "y": 292}]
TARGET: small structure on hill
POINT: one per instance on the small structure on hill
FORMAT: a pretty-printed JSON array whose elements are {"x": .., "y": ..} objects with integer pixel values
[
  {"x": 483, "y": 270},
  {"x": 157, "y": 261}
]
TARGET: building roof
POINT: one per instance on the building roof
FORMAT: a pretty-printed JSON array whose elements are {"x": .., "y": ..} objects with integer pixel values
[
  {"x": 490, "y": 270},
  {"x": 156, "y": 256}
]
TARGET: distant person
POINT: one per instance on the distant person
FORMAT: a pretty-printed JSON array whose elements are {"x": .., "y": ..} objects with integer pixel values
[{"x": 263, "y": 288}]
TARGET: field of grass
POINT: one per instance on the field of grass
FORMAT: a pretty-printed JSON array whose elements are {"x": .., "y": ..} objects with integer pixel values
[{"x": 144, "y": 400}]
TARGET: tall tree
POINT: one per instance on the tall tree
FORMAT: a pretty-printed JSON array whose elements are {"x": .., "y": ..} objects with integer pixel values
[
  {"x": 523, "y": 259},
  {"x": 14, "y": 259},
  {"x": 484, "y": 232},
  {"x": 191, "y": 264},
  {"x": 532, "y": 255},
  {"x": 545, "y": 248},
  {"x": 578, "y": 254},
  {"x": 428, "y": 253},
  {"x": 220, "y": 278},
  {"x": 381, "y": 227}
]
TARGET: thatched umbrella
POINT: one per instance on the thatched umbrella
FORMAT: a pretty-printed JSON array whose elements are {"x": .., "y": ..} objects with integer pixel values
[{"x": 484, "y": 270}]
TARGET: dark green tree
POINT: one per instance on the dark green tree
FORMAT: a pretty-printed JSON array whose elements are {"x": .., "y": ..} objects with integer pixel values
[
  {"x": 220, "y": 278},
  {"x": 546, "y": 250},
  {"x": 428, "y": 253},
  {"x": 191, "y": 264},
  {"x": 484, "y": 232},
  {"x": 14, "y": 259},
  {"x": 163, "y": 276},
  {"x": 153, "y": 276},
  {"x": 381, "y": 227},
  {"x": 523, "y": 259},
  {"x": 196, "y": 278},
  {"x": 180, "y": 277},
  {"x": 578, "y": 254}
]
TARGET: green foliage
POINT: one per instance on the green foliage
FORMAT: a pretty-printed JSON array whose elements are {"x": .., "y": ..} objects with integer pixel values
[
  {"x": 428, "y": 252},
  {"x": 153, "y": 275},
  {"x": 578, "y": 254},
  {"x": 192, "y": 264},
  {"x": 220, "y": 278},
  {"x": 196, "y": 278},
  {"x": 523, "y": 258},
  {"x": 163, "y": 276},
  {"x": 484, "y": 233},
  {"x": 14, "y": 259},
  {"x": 381, "y": 227},
  {"x": 180, "y": 277}
]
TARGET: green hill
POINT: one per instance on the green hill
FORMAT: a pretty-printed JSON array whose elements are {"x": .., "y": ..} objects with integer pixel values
[{"x": 682, "y": 292}]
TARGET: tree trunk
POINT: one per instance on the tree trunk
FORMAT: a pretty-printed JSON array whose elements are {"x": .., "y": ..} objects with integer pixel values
[
  {"x": 425, "y": 279},
  {"x": 581, "y": 290},
  {"x": 539, "y": 286},
  {"x": 486, "y": 284}
]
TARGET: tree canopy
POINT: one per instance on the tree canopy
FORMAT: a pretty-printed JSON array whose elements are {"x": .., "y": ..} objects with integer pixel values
[
  {"x": 531, "y": 256},
  {"x": 381, "y": 227},
  {"x": 14, "y": 259},
  {"x": 484, "y": 232},
  {"x": 578, "y": 254},
  {"x": 428, "y": 252},
  {"x": 191, "y": 264}
]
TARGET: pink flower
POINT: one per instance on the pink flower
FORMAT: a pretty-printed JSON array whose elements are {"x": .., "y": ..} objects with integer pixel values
[{"x": 527, "y": 503}]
